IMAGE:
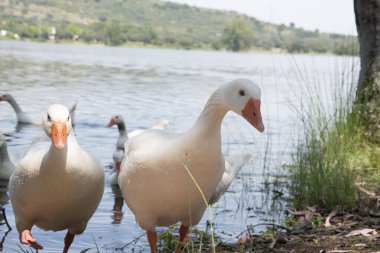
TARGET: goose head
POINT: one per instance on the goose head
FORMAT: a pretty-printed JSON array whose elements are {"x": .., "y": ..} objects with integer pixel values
[
  {"x": 244, "y": 98},
  {"x": 57, "y": 125},
  {"x": 6, "y": 97},
  {"x": 115, "y": 120}
]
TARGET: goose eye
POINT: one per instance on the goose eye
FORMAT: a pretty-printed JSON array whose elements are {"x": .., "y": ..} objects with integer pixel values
[
  {"x": 48, "y": 117},
  {"x": 242, "y": 93},
  {"x": 68, "y": 118}
]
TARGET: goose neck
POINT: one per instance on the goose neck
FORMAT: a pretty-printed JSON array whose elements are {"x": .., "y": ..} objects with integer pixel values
[
  {"x": 14, "y": 105},
  {"x": 213, "y": 113},
  {"x": 121, "y": 127},
  {"x": 4, "y": 153}
]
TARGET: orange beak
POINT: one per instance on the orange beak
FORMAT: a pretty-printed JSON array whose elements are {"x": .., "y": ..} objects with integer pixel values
[
  {"x": 252, "y": 114},
  {"x": 111, "y": 123},
  {"x": 58, "y": 134}
]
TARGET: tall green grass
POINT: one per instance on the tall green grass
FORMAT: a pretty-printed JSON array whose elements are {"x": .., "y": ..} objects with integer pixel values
[{"x": 324, "y": 173}]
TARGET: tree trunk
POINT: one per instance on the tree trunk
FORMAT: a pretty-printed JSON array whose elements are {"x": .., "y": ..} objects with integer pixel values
[{"x": 367, "y": 14}]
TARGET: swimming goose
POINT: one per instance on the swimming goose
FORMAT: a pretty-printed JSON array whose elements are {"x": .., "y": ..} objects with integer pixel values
[
  {"x": 118, "y": 155},
  {"x": 6, "y": 166},
  {"x": 123, "y": 135},
  {"x": 233, "y": 165},
  {"x": 162, "y": 124},
  {"x": 57, "y": 185},
  {"x": 24, "y": 118},
  {"x": 155, "y": 174}
]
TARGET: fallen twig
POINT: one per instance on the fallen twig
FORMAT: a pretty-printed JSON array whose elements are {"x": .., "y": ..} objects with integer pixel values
[
  {"x": 134, "y": 240},
  {"x": 365, "y": 191},
  {"x": 332, "y": 214},
  {"x": 288, "y": 231}
]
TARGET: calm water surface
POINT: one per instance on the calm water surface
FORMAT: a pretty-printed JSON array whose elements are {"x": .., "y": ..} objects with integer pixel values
[{"x": 146, "y": 85}]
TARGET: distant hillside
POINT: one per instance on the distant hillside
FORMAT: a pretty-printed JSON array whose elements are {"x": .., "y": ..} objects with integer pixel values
[{"x": 153, "y": 22}]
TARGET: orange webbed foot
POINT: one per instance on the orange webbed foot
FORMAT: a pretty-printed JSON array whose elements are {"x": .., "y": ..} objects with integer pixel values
[{"x": 27, "y": 238}]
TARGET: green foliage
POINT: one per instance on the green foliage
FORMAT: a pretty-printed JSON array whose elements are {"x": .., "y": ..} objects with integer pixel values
[
  {"x": 32, "y": 32},
  {"x": 36, "y": 32},
  {"x": 350, "y": 47},
  {"x": 237, "y": 35},
  {"x": 112, "y": 34},
  {"x": 324, "y": 174},
  {"x": 167, "y": 241},
  {"x": 200, "y": 240},
  {"x": 159, "y": 23},
  {"x": 74, "y": 30}
]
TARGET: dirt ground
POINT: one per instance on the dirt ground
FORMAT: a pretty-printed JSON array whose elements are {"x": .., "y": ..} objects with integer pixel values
[
  {"x": 313, "y": 231},
  {"x": 306, "y": 243}
]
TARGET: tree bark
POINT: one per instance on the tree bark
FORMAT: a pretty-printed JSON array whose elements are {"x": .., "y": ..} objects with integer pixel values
[{"x": 367, "y": 14}]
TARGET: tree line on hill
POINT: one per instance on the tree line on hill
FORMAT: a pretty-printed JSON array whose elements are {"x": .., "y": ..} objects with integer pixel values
[{"x": 236, "y": 35}]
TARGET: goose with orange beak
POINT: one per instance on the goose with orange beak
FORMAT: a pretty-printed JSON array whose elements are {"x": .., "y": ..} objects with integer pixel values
[
  {"x": 162, "y": 172},
  {"x": 57, "y": 185},
  {"x": 118, "y": 154}
]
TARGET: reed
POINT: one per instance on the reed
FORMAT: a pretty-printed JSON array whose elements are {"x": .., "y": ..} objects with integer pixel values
[
  {"x": 208, "y": 206},
  {"x": 332, "y": 133}
]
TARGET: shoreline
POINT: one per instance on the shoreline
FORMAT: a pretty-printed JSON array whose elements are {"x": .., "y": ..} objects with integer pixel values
[{"x": 276, "y": 51}]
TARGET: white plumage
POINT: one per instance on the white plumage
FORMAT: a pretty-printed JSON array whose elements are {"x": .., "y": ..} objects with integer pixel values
[
  {"x": 118, "y": 154},
  {"x": 154, "y": 180},
  {"x": 57, "y": 185},
  {"x": 233, "y": 165}
]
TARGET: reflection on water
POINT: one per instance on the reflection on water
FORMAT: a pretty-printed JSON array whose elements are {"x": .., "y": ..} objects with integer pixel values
[
  {"x": 4, "y": 200},
  {"x": 146, "y": 85},
  {"x": 118, "y": 204}
]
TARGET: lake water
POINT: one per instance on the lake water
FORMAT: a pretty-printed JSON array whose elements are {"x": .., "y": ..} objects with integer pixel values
[{"x": 146, "y": 85}]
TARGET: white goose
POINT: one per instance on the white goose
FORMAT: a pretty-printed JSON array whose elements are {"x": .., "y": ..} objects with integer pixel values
[
  {"x": 162, "y": 124},
  {"x": 118, "y": 155},
  {"x": 154, "y": 179},
  {"x": 24, "y": 118},
  {"x": 233, "y": 165},
  {"x": 6, "y": 166},
  {"x": 57, "y": 185}
]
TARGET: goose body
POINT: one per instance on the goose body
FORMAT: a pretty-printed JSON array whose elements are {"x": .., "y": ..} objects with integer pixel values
[
  {"x": 162, "y": 124},
  {"x": 155, "y": 176},
  {"x": 233, "y": 165},
  {"x": 117, "y": 157},
  {"x": 57, "y": 185},
  {"x": 6, "y": 165},
  {"x": 23, "y": 117}
]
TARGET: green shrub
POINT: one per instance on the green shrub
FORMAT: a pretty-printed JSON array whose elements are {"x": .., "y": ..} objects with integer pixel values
[{"x": 324, "y": 174}]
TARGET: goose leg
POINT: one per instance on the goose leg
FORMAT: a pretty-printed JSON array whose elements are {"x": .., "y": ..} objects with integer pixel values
[
  {"x": 152, "y": 239},
  {"x": 27, "y": 238},
  {"x": 182, "y": 235},
  {"x": 69, "y": 238}
]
